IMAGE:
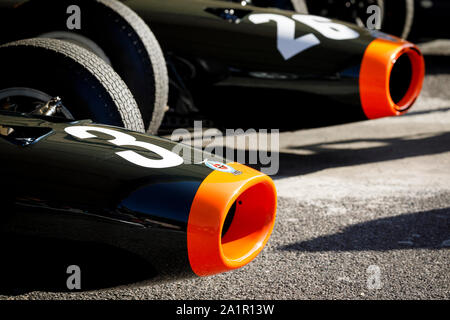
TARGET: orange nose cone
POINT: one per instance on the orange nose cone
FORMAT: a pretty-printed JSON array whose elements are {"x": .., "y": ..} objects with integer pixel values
[
  {"x": 390, "y": 77},
  {"x": 230, "y": 221}
]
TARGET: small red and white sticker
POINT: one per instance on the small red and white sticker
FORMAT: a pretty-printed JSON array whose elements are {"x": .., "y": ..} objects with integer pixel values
[{"x": 221, "y": 167}]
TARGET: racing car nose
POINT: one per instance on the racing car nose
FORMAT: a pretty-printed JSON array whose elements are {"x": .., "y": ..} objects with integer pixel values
[
  {"x": 391, "y": 77},
  {"x": 230, "y": 221}
]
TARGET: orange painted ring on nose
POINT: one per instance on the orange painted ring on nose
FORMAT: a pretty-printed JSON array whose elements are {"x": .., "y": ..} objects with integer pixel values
[
  {"x": 375, "y": 73},
  {"x": 254, "y": 196}
]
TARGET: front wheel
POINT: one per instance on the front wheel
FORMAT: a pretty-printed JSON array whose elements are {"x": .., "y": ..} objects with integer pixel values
[
  {"x": 36, "y": 70},
  {"x": 113, "y": 32},
  {"x": 399, "y": 16},
  {"x": 396, "y": 15}
]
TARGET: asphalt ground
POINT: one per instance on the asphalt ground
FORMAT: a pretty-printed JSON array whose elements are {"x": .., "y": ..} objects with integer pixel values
[{"x": 363, "y": 213}]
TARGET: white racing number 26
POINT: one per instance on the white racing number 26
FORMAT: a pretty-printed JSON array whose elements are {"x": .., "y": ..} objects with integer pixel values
[
  {"x": 169, "y": 159},
  {"x": 290, "y": 46}
]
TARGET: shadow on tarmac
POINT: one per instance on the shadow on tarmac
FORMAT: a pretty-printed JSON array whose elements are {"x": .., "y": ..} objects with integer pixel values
[{"x": 419, "y": 230}]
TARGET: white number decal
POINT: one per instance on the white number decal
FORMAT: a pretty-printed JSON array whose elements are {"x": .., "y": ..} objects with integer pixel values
[
  {"x": 288, "y": 45},
  {"x": 286, "y": 42},
  {"x": 326, "y": 27},
  {"x": 169, "y": 159}
]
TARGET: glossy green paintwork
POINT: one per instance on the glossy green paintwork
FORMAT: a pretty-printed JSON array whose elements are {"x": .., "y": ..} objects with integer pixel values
[
  {"x": 242, "y": 79},
  {"x": 71, "y": 189},
  {"x": 236, "y": 75},
  {"x": 185, "y": 27}
]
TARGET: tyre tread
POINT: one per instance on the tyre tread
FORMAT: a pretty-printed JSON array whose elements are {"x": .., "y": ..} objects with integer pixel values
[{"x": 107, "y": 77}]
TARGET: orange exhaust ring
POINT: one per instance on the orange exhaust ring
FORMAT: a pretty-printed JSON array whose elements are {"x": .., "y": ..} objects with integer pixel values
[
  {"x": 375, "y": 75},
  {"x": 255, "y": 197}
]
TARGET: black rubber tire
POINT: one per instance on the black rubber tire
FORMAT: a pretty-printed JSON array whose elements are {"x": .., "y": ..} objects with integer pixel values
[
  {"x": 399, "y": 16},
  {"x": 88, "y": 87},
  {"x": 122, "y": 35}
]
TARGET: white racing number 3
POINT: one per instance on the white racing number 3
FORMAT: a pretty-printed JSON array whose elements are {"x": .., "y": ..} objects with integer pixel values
[
  {"x": 290, "y": 46},
  {"x": 169, "y": 159}
]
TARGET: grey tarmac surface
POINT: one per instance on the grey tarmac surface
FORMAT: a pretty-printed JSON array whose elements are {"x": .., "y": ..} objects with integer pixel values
[{"x": 354, "y": 200}]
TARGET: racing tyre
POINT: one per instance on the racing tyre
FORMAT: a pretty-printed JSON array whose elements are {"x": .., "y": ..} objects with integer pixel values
[
  {"x": 396, "y": 15},
  {"x": 36, "y": 70},
  {"x": 113, "y": 32},
  {"x": 398, "y": 19}
]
